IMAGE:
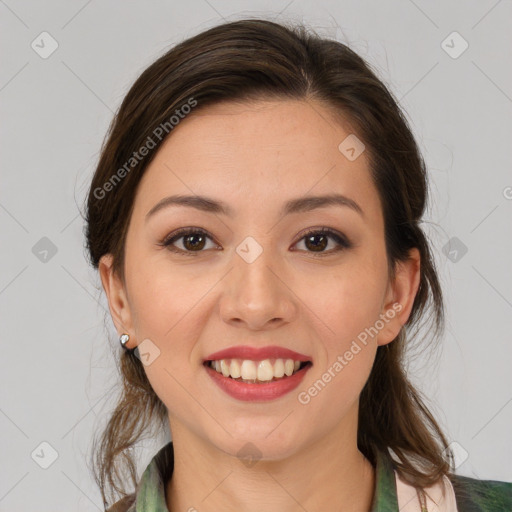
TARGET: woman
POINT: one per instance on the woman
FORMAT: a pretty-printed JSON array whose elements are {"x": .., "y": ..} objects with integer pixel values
[{"x": 255, "y": 221}]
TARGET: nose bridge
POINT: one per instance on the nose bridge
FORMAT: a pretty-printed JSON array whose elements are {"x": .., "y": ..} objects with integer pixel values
[{"x": 256, "y": 293}]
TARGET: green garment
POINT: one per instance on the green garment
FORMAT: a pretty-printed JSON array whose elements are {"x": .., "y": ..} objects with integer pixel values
[{"x": 472, "y": 495}]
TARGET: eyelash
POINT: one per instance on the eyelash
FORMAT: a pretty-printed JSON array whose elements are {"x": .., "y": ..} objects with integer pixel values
[{"x": 341, "y": 240}]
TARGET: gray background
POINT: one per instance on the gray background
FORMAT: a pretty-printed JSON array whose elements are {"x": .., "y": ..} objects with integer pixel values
[{"x": 57, "y": 365}]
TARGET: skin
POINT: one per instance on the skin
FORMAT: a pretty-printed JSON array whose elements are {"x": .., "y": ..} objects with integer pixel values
[{"x": 254, "y": 157}]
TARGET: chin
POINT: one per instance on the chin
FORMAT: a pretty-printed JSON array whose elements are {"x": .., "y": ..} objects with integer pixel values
[{"x": 257, "y": 444}]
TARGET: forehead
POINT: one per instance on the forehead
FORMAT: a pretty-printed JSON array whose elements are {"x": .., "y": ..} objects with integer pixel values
[
  {"x": 258, "y": 154},
  {"x": 270, "y": 128}
]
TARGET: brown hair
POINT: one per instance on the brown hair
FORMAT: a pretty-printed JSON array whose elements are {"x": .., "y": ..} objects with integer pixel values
[{"x": 261, "y": 59}]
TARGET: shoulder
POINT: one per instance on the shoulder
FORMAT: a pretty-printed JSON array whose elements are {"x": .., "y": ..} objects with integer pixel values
[
  {"x": 123, "y": 505},
  {"x": 474, "y": 495}
]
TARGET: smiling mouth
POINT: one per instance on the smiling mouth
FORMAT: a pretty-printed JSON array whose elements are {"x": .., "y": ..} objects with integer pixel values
[{"x": 257, "y": 372}]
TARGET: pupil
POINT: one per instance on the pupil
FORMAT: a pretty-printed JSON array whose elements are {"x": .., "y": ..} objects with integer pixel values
[
  {"x": 194, "y": 244},
  {"x": 316, "y": 246}
]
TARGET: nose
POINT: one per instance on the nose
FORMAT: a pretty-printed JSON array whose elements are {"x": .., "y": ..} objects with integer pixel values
[{"x": 257, "y": 294}]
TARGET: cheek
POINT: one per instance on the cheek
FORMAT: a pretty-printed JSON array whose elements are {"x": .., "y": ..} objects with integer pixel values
[
  {"x": 347, "y": 309},
  {"x": 347, "y": 303},
  {"x": 162, "y": 297},
  {"x": 165, "y": 307},
  {"x": 170, "y": 307}
]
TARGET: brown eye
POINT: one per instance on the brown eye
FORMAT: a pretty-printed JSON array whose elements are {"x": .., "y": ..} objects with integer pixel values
[
  {"x": 192, "y": 240},
  {"x": 317, "y": 240}
]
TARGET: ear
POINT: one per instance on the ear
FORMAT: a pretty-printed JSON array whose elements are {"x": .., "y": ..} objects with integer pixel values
[
  {"x": 400, "y": 296},
  {"x": 116, "y": 295}
]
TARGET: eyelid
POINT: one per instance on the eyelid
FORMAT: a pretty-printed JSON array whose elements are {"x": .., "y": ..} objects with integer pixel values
[
  {"x": 333, "y": 233},
  {"x": 180, "y": 232}
]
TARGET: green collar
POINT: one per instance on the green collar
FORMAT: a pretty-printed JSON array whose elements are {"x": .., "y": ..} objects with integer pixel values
[
  {"x": 384, "y": 493},
  {"x": 150, "y": 494}
]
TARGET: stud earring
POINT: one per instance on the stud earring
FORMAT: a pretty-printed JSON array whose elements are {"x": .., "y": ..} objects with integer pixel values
[{"x": 123, "y": 339}]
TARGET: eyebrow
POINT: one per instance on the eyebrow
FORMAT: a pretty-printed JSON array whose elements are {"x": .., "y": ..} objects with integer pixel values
[{"x": 299, "y": 205}]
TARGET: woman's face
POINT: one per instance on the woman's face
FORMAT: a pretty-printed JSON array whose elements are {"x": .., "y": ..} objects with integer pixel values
[{"x": 255, "y": 278}]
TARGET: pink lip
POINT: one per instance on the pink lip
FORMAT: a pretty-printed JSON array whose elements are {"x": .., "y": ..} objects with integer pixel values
[{"x": 257, "y": 354}]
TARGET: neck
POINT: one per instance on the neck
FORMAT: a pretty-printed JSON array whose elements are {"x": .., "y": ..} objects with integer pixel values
[{"x": 328, "y": 474}]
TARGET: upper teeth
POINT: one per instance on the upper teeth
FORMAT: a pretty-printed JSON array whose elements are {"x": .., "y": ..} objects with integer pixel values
[{"x": 251, "y": 370}]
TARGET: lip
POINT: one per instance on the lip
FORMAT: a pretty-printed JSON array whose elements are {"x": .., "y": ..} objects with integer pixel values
[
  {"x": 257, "y": 392},
  {"x": 257, "y": 354}
]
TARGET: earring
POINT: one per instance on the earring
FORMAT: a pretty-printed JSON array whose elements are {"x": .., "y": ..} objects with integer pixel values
[{"x": 123, "y": 339}]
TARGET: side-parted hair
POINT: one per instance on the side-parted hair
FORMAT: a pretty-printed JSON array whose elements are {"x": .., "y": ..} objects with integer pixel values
[{"x": 257, "y": 59}]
